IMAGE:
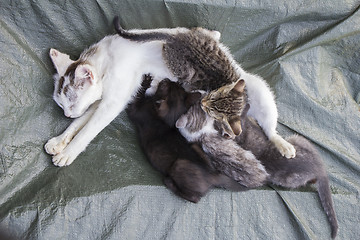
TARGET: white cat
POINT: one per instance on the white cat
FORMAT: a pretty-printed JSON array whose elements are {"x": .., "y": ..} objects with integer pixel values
[{"x": 98, "y": 86}]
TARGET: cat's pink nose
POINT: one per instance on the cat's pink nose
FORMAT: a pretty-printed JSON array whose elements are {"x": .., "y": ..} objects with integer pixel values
[{"x": 67, "y": 114}]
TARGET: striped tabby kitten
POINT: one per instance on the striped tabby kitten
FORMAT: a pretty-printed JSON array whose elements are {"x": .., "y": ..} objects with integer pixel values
[{"x": 200, "y": 62}]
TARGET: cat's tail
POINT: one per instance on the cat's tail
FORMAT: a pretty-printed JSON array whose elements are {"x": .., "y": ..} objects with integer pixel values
[
  {"x": 119, "y": 29},
  {"x": 327, "y": 203},
  {"x": 138, "y": 37}
]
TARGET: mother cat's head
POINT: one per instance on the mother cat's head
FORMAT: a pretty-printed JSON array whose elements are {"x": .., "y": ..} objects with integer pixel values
[{"x": 77, "y": 85}]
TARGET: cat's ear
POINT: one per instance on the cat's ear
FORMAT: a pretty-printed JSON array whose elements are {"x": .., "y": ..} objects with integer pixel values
[
  {"x": 60, "y": 60},
  {"x": 84, "y": 74},
  {"x": 181, "y": 122},
  {"x": 245, "y": 110},
  {"x": 192, "y": 98},
  {"x": 239, "y": 86},
  {"x": 235, "y": 124},
  {"x": 163, "y": 87}
]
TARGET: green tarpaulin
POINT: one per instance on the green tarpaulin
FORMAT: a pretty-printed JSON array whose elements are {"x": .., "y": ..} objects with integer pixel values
[{"x": 309, "y": 53}]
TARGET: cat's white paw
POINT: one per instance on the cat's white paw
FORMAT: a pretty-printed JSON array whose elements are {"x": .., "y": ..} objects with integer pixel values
[
  {"x": 285, "y": 148},
  {"x": 55, "y": 145},
  {"x": 63, "y": 159}
]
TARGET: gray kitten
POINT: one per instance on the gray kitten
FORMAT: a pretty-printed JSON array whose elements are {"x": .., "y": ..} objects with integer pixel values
[
  {"x": 307, "y": 166},
  {"x": 226, "y": 155}
]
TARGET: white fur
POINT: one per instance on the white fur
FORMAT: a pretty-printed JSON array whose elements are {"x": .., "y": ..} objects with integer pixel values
[
  {"x": 119, "y": 65},
  {"x": 207, "y": 129},
  {"x": 61, "y": 61}
]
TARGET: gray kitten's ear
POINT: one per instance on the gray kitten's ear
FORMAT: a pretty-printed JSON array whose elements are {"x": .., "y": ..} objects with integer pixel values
[
  {"x": 239, "y": 86},
  {"x": 181, "y": 122},
  {"x": 84, "y": 74},
  {"x": 60, "y": 60}
]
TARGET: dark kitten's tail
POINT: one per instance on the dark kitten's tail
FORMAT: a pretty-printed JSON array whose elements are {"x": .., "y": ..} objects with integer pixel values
[
  {"x": 327, "y": 203},
  {"x": 138, "y": 37}
]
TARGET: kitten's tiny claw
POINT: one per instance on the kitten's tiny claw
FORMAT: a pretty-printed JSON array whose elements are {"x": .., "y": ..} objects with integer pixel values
[
  {"x": 62, "y": 159},
  {"x": 285, "y": 148},
  {"x": 55, "y": 146}
]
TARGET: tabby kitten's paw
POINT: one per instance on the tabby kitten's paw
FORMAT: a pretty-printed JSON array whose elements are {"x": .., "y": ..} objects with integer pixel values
[
  {"x": 62, "y": 159},
  {"x": 55, "y": 145},
  {"x": 285, "y": 148}
]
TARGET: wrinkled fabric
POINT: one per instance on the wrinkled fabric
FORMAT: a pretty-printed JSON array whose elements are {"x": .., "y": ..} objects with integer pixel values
[{"x": 308, "y": 52}]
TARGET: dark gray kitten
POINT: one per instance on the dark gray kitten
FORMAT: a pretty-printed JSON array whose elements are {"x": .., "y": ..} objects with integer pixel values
[
  {"x": 186, "y": 171},
  {"x": 307, "y": 166}
]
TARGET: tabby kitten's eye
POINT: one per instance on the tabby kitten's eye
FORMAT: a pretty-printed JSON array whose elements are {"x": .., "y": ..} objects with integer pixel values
[{"x": 227, "y": 136}]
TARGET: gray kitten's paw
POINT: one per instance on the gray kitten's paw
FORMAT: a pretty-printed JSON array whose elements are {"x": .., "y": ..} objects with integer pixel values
[
  {"x": 55, "y": 145},
  {"x": 285, "y": 148}
]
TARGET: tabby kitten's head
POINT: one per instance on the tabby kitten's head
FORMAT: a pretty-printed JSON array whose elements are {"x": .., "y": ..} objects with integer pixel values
[
  {"x": 76, "y": 83},
  {"x": 225, "y": 105}
]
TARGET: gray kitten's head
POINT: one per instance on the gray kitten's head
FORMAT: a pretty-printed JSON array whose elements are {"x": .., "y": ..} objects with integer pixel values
[
  {"x": 76, "y": 84},
  {"x": 225, "y": 105},
  {"x": 195, "y": 123}
]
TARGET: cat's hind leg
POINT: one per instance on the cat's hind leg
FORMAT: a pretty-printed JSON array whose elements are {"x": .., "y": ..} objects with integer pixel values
[{"x": 263, "y": 109}]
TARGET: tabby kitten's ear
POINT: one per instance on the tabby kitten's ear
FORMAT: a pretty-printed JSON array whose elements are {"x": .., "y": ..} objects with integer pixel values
[
  {"x": 60, "y": 60},
  {"x": 235, "y": 124},
  {"x": 192, "y": 98},
  {"x": 245, "y": 111},
  {"x": 84, "y": 74},
  {"x": 239, "y": 86}
]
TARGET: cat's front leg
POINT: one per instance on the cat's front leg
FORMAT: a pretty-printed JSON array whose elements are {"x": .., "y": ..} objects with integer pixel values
[
  {"x": 56, "y": 144},
  {"x": 263, "y": 109},
  {"x": 103, "y": 115},
  {"x": 285, "y": 148}
]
